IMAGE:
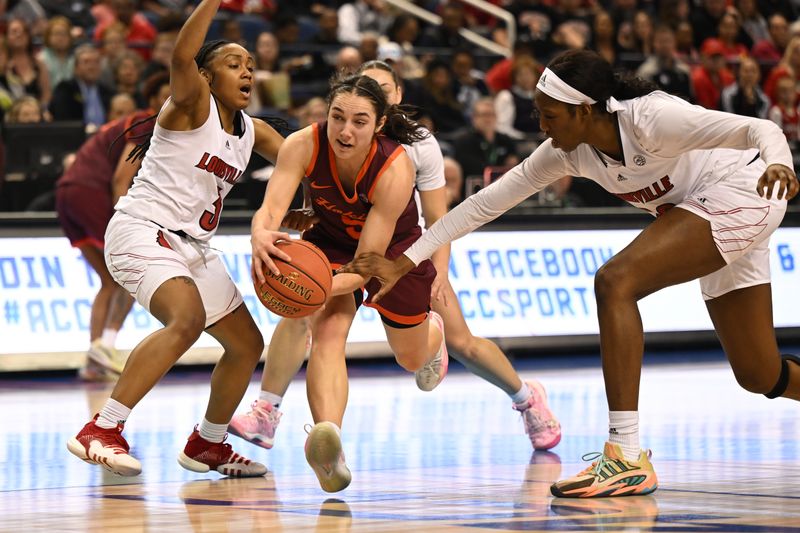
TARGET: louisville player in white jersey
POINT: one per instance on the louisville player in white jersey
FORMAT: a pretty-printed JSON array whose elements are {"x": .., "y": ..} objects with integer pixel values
[
  {"x": 292, "y": 337},
  {"x": 718, "y": 184},
  {"x": 157, "y": 247}
]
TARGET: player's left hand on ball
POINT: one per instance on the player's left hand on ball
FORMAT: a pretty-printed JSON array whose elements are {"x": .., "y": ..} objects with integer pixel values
[
  {"x": 784, "y": 177},
  {"x": 263, "y": 243}
]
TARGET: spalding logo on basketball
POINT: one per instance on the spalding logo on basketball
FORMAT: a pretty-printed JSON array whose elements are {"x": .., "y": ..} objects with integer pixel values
[{"x": 302, "y": 286}]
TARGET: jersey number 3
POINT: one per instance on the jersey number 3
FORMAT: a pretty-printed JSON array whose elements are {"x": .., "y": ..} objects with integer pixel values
[{"x": 210, "y": 219}]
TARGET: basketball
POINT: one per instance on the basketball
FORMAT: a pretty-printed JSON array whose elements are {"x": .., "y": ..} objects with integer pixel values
[{"x": 302, "y": 286}]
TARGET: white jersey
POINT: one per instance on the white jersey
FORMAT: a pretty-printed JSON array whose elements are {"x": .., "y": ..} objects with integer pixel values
[
  {"x": 186, "y": 175},
  {"x": 671, "y": 150},
  {"x": 426, "y": 155}
]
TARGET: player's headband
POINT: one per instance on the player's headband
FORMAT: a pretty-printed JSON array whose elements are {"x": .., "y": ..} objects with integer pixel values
[{"x": 554, "y": 87}]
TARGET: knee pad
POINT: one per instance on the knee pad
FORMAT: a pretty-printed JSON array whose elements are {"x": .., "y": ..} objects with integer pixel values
[{"x": 783, "y": 380}]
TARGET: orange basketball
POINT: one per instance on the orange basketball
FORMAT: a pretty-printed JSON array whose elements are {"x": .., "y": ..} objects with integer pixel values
[{"x": 302, "y": 286}]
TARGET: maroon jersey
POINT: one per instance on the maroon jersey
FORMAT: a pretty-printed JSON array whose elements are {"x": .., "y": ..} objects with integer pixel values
[
  {"x": 97, "y": 159},
  {"x": 343, "y": 211}
]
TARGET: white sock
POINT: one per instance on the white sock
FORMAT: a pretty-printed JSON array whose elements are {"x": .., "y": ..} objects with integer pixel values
[
  {"x": 212, "y": 432},
  {"x": 623, "y": 429},
  {"x": 521, "y": 396},
  {"x": 112, "y": 413},
  {"x": 109, "y": 337},
  {"x": 268, "y": 397}
]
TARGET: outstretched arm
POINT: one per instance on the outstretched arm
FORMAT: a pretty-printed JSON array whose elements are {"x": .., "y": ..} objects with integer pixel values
[{"x": 268, "y": 141}]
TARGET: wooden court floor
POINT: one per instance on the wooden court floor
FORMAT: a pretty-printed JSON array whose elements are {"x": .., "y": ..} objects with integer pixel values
[{"x": 455, "y": 459}]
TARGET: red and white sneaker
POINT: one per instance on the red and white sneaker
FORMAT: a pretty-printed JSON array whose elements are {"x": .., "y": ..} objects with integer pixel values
[
  {"x": 540, "y": 423},
  {"x": 199, "y": 455},
  {"x": 433, "y": 372},
  {"x": 104, "y": 447},
  {"x": 258, "y": 426}
]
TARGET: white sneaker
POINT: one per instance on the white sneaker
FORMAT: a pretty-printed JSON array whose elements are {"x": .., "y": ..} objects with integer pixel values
[
  {"x": 108, "y": 358},
  {"x": 325, "y": 456},
  {"x": 434, "y": 371}
]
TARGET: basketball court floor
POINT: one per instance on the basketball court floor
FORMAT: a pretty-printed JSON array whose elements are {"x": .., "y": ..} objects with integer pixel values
[{"x": 455, "y": 459}]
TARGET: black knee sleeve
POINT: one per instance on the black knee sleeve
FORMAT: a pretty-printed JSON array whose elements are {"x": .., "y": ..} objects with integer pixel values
[{"x": 783, "y": 380}]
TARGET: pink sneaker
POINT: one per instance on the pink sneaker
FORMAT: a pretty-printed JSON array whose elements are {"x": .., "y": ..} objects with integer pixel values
[
  {"x": 540, "y": 424},
  {"x": 199, "y": 455},
  {"x": 104, "y": 447},
  {"x": 433, "y": 372},
  {"x": 258, "y": 426}
]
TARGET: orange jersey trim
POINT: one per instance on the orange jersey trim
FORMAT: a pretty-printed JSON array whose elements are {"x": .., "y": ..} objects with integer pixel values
[
  {"x": 400, "y": 319},
  {"x": 363, "y": 170},
  {"x": 315, "y": 153},
  {"x": 386, "y": 164}
]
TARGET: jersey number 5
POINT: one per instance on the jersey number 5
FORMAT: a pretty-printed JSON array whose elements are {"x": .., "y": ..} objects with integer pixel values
[{"x": 353, "y": 227}]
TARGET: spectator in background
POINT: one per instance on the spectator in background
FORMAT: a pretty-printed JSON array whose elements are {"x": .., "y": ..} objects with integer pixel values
[
  {"x": 437, "y": 98},
  {"x": 56, "y": 54},
  {"x": 447, "y": 35},
  {"x": 328, "y": 24},
  {"x": 705, "y": 20},
  {"x": 160, "y": 57},
  {"x": 684, "y": 43},
  {"x": 728, "y": 35},
  {"x": 642, "y": 27},
  {"x": 482, "y": 145},
  {"x": 454, "y": 182},
  {"x": 83, "y": 97},
  {"x": 370, "y": 44},
  {"x": 361, "y": 16},
  {"x": 604, "y": 37},
  {"x": 127, "y": 72},
  {"x": 789, "y": 65},
  {"x": 711, "y": 76},
  {"x": 122, "y": 104},
  {"x": 469, "y": 85},
  {"x": 348, "y": 60},
  {"x": 112, "y": 48},
  {"x": 769, "y": 51},
  {"x": 498, "y": 77},
  {"x": 404, "y": 31},
  {"x": 315, "y": 110},
  {"x": 25, "y": 110},
  {"x": 745, "y": 97},
  {"x": 139, "y": 32},
  {"x": 673, "y": 12},
  {"x": 23, "y": 65},
  {"x": 664, "y": 68},
  {"x": 784, "y": 111},
  {"x": 754, "y": 25},
  {"x": 514, "y": 108},
  {"x": 7, "y": 84},
  {"x": 231, "y": 30},
  {"x": 534, "y": 25},
  {"x": 165, "y": 8},
  {"x": 272, "y": 82}
]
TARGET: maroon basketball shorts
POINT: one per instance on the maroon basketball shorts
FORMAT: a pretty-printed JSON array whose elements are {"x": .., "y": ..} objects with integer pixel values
[
  {"x": 408, "y": 303},
  {"x": 83, "y": 213}
]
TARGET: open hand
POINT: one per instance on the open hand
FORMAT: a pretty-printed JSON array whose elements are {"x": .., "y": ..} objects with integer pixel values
[{"x": 373, "y": 265}]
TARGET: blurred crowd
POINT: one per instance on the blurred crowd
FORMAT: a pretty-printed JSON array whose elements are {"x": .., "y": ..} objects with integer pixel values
[{"x": 87, "y": 61}]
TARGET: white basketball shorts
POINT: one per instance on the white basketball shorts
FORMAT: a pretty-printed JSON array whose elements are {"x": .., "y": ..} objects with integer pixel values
[
  {"x": 741, "y": 224},
  {"x": 141, "y": 256}
]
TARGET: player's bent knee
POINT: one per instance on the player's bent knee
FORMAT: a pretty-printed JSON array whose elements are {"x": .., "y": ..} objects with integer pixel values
[
  {"x": 411, "y": 361},
  {"x": 188, "y": 328},
  {"x": 783, "y": 378}
]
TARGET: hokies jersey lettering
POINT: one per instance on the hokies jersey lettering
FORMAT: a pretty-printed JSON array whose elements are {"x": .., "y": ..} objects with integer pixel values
[
  {"x": 186, "y": 175},
  {"x": 343, "y": 209}
]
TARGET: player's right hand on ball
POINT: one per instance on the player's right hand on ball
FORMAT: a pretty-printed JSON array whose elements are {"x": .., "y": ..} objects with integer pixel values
[
  {"x": 263, "y": 243},
  {"x": 300, "y": 220}
]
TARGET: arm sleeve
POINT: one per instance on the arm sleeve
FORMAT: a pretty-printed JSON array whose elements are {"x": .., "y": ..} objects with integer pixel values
[
  {"x": 543, "y": 167},
  {"x": 668, "y": 126}
]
